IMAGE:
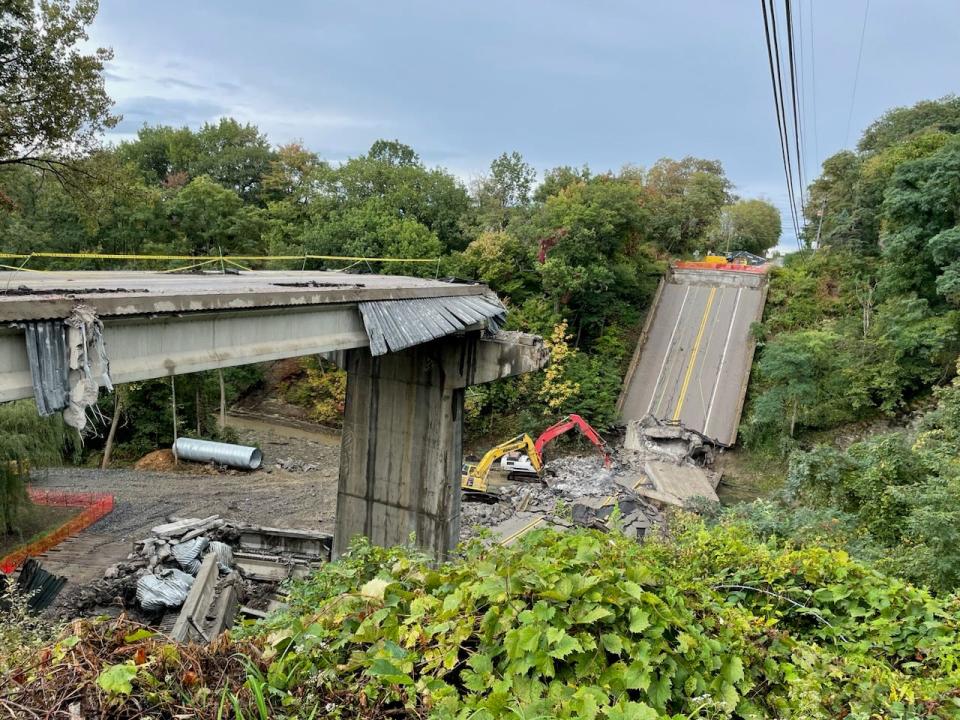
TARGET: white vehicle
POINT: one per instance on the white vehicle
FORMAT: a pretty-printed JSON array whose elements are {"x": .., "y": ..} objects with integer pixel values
[{"x": 517, "y": 465}]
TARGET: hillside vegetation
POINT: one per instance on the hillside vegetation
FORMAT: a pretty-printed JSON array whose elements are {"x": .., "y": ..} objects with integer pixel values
[
  {"x": 706, "y": 624},
  {"x": 863, "y": 331}
]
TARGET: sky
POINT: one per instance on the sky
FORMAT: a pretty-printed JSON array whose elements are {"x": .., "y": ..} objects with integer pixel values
[{"x": 603, "y": 83}]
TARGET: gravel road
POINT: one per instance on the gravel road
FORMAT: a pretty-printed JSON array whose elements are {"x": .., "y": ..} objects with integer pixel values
[{"x": 272, "y": 496}]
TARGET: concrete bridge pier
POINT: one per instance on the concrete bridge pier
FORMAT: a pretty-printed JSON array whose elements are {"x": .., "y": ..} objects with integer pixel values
[{"x": 401, "y": 451}]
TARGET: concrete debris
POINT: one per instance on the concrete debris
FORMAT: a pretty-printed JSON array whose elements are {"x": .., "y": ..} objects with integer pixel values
[
  {"x": 179, "y": 528},
  {"x": 292, "y": 465},
  {"x": 669, "y": 441},
  {"x": 89, "y": 366},
  {"x": 233, "y": 564},
  {"x": 661, "y": 465}
]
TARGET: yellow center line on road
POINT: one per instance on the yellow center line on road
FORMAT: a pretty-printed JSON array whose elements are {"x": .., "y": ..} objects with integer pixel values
[
  {"x": 522, "y": 531},
  {"x": 693, "y": 354}
]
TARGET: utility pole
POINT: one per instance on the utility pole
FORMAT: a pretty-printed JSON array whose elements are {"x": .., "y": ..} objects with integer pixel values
[{"x": 823, "y": 207}]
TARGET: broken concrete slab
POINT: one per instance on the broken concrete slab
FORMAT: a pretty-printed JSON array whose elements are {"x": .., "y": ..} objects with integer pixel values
[
  {"x": 285, "y": 541},
  {"x": 183, "y": 526},
  {"x": 676, "y": 484},
  {"x": 519, "y": 525},
  {"x": 189, "y": 623}
]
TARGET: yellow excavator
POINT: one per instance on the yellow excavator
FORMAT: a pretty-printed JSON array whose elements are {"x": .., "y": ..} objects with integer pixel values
[{"x": 473, "y": 479}]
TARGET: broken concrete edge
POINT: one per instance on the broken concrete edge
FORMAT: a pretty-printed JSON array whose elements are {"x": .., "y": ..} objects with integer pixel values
[
  {"x": 641, "y": 341},
  {"x": 194, "y": 610},
  {"x": 637, "y": 517}
]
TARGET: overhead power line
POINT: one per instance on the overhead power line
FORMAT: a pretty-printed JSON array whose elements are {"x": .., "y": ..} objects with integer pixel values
[
  {"x": 856, "y": 74},
  {"x": 791, "y": 55},
  {"x": 776, "y": 80}
]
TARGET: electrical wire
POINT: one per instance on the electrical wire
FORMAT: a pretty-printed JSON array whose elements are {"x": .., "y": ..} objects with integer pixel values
[
  {"x": 791, "y": 58},
  {"x": 856, "y": 74},
  {"x": 773, "y": 50}
]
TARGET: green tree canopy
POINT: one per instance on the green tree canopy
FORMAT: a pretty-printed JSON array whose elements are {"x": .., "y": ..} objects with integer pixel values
[
  {"x": 53, "y": 106},
  {"x": 750, "y": 225}
]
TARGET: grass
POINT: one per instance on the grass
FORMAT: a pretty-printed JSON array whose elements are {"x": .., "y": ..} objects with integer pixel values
[
  {"x": 748, "y": 475},
  {"x": 35, "y": 521}
]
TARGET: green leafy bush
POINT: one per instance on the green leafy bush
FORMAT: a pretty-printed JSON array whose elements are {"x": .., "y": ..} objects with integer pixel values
[{"x": 585, "y": 625}]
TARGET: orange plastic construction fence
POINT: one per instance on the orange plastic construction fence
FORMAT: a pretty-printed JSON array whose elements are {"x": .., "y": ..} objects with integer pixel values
[
  {"x": 95, "y": 506},
  {"x": 692, "y": 265}
]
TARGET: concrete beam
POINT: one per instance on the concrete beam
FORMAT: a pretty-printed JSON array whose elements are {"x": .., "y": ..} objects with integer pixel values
[
  {"x": 402, "y": 447},
  {"x": 141, "y": 348}
]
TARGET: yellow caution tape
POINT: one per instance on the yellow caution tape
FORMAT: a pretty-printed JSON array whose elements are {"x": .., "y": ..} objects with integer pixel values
[{"x": 225, "y": 258}]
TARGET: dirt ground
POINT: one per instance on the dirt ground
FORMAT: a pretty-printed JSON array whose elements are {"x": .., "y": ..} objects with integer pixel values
[{"x": 292, "y": 498}]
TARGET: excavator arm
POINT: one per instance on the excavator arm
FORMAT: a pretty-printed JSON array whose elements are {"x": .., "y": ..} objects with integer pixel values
[{"x": 567, "y": 424}]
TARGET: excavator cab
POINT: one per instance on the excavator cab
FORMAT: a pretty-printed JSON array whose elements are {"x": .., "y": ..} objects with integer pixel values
[{"x": 473, "y": 479}]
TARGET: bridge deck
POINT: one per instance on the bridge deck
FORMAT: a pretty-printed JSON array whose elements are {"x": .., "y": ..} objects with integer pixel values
[
  {"x": 694, "y": 363},
  {"x": 37, "y": 296}
]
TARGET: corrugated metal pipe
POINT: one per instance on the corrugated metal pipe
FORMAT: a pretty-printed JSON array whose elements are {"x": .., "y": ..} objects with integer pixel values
[{"x": 237, "y": 456}]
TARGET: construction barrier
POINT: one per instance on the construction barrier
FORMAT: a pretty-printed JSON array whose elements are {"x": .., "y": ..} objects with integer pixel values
[
  {"x": 694, "y": 265},
  {"x": 95, "y": 506}
]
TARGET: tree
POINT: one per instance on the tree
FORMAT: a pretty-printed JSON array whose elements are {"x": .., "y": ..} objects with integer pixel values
[
  {"x": 53, "y": 105},
  {"x": 558, "y": 178},
  {"x": 504, "y": 191},
  {"x": 160, "y": 153},
  {"x": 921, "y": 213},
  {"x": 750, "y": 225},
  {"x": 801, "y": 384},
  {"x": 900, "y": 123},
  {"x": 832, "y": 208},
  {"x": 684, "y": 198},
  {"x": 209, "y": 218},
  {"x": 236, "y": 156}
]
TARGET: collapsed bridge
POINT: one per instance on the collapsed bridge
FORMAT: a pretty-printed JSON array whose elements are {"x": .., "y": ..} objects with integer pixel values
[
  {"x": 410, "y": 348},
  {"x": 693, "y": 359}
]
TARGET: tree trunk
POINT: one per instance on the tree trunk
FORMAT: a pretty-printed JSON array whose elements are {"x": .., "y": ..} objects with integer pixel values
[
  {"x": 223, "y": 400},
  {"x": 108, "y": 448},
  {"x": 173, "y": 404},
  {"x": 793, "y": 417}
]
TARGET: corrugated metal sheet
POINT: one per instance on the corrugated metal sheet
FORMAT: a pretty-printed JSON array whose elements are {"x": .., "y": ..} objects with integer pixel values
[
  {"x": 49, "y": 364},
  {"x": 397, "y": 324}
]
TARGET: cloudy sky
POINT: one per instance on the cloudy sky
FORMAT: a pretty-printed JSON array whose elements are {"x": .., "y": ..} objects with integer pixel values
[{"x": 605, "y": 83}]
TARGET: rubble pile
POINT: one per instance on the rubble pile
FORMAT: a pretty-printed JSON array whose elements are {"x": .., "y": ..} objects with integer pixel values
[
  {"x": 660, "y": 465},
  {"x": 576, "y": 491},
  {"x": 161, "y": 573}
]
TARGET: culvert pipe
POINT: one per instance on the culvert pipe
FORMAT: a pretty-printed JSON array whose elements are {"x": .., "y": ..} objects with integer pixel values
[{"x": 243, "y": 457}]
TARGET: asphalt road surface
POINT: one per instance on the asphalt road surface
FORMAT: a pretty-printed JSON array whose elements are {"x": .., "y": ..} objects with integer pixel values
[{"x": 695, "y": 363}]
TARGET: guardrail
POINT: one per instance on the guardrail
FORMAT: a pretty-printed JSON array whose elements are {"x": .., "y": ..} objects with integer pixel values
[{"x": 95, "y": 506}]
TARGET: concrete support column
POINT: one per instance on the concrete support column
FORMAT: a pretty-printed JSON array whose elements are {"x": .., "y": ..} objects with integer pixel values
[
  {"x": 401, "y": 451},
  {"x": 402, "y": 442}
]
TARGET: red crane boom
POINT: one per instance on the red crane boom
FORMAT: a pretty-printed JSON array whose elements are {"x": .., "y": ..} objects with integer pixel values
[{"x": 568, "y": 423}]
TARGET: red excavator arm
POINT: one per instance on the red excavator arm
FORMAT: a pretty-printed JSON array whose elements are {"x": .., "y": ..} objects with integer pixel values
[{"x": 568, "y": 423}]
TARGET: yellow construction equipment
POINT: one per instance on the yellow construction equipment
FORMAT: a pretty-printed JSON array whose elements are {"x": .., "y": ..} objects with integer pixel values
[{"x": 474, "y": 476}]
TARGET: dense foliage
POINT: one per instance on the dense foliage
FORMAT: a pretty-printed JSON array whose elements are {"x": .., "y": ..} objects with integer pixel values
[
  {"x": 708, "y": 624},
  {"x": 860, "y": 331},
  {"x": 869, "y": 322},
  {"x": 890, "y": 498}
]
